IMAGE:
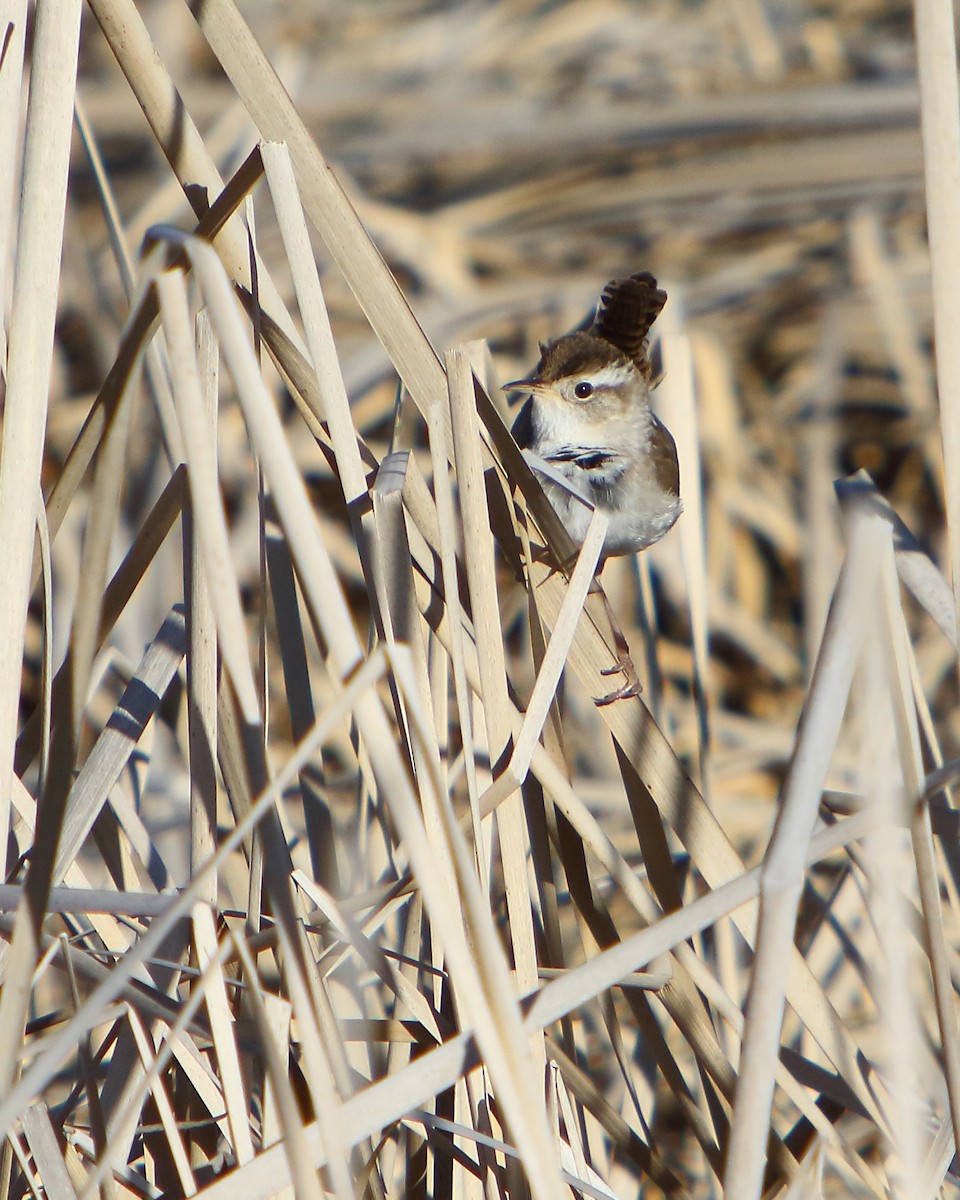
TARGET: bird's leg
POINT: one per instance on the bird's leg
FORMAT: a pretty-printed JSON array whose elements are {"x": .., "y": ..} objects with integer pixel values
[{"x": 631, "y": 685}]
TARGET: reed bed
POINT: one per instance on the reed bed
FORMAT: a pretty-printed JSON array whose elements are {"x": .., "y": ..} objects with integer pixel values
[{"x": 325, "y": 874}]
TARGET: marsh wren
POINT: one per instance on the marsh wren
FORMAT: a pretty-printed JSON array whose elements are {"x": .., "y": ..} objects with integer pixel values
[{"x": 588, "y": 418}]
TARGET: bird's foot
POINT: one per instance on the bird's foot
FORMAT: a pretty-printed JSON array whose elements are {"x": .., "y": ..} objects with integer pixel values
[{"x": 630, "y": 687}]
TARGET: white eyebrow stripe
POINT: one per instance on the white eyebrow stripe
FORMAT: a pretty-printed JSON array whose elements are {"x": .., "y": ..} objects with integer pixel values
[{"x": 609, "y": 376}]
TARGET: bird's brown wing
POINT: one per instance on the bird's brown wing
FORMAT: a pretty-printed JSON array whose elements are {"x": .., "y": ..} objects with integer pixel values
[
  {"x": 663, "y": 455},
  {"x": 627, "y": 309}
]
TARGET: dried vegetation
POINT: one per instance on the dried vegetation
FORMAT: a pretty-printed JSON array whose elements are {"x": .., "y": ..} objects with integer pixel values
[{"x": 325, "y": 875}]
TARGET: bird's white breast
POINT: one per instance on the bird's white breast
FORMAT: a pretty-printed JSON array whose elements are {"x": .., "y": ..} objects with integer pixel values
[{"x": 624, "y": 484}]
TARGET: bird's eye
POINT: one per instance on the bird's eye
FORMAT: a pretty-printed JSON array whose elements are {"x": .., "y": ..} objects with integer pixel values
[{"x": 583, "y": 390}]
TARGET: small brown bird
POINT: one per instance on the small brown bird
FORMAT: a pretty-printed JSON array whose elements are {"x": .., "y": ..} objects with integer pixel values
[{"x": 588, "y": 418}]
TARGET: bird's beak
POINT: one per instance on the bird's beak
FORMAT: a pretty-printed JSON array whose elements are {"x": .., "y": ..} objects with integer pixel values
[{"x": 523, "y": 385}]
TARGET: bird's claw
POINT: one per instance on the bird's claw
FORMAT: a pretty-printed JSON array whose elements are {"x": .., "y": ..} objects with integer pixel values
[
  {"x": 627, "y": 692},
  {"x": 630, "y": 687}
]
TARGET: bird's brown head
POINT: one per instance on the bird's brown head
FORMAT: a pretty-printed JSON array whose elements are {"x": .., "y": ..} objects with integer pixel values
[
  {"x": 588, "y": 373},
  {"x": 603, "y": 372}
]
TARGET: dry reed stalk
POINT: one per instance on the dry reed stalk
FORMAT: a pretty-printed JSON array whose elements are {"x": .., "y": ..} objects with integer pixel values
[
  {"x": 481, "y": 582},
  {"x": 201, "y": 629},
  {"x": 782, "y": 878},
  {"x": 40, "y": 233},
  {"x": 11, "y": 81},
  {"x": 207, "y": 506},
  {"x": 911, "y": 766},
  {"x": 939, "y": 105},
  {"x": 884, "y": 854}
]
